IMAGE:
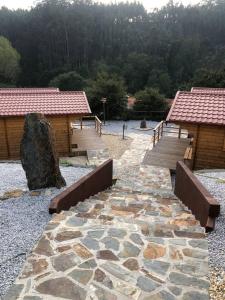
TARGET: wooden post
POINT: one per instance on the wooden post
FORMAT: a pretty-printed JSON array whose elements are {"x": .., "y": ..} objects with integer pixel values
[
  {"x": 179, "y": 134},
  {"x": 154, "y": 138},
  {"x": 195, "y": 146},
  {"x": 69, "y": 133},
  {"x": 158, "y": 133},
  {"x": 162, "y": 129},
  {"x": 100, "y": 129},
  {"x": 81, "y": 123}
]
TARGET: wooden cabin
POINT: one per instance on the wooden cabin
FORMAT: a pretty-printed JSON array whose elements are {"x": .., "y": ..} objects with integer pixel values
[
  {"x": 202, "y": 113},
  {"x": 60, "y": 108}
]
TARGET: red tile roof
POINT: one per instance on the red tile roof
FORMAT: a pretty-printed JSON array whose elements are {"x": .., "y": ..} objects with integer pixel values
[
  {"x": 198, "y": 108},
  {"x": 28, "y": 90},
  {"x": 58, "y": 103},
  {"x": 208, "y": 90}
]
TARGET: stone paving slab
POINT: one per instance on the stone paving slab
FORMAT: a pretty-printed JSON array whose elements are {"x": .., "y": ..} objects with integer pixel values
[{"x": 133, "y": 241}]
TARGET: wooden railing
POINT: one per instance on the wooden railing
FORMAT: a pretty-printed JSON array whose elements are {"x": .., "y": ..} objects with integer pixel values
[
  {"x": 158, "y": 132},
  {"x": 163, "y": 128},
  {"x": 94, "y": 122},
  {"x": 96, "y": 181},
  {"x": 98, "y": 126},
  {"x": 193, "y": 194}
]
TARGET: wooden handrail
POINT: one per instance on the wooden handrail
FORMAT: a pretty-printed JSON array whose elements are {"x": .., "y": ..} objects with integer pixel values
[
  {"x": 159, "y": 130},
  {"x": 98, "y": 125},
  {"x": 158, "y": 125}
]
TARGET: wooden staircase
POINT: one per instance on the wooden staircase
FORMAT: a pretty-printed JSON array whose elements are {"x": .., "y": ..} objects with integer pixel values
[{"x": 170, "y": 144}]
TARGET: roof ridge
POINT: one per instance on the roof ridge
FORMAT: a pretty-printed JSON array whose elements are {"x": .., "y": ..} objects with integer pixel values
[
  {"x": 203, "y": 93},
  {"x": 207, "y": 88},
  {"x": 17, "y": 88},
  {"x": 42, "y": 93}
]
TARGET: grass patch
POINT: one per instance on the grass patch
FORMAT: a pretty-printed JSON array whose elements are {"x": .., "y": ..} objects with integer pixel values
[{"x": 66, "y": 163}]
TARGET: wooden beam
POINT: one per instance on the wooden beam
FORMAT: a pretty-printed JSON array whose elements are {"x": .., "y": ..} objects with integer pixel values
[
  {"x": 196, "y": 147},
  {"x": 68, "y": 133}
]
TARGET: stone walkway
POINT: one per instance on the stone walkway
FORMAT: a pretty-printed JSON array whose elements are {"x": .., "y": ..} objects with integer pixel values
[{"x": 133, "y": 241}]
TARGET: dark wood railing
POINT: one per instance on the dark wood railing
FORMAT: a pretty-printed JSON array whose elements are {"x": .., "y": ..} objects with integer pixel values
[
  {"x": 96, "y": 181},
  {"x": 195, "y": 196}
]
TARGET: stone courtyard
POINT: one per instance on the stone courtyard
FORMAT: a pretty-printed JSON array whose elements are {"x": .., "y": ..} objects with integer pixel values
[{"x": 133, "y": 241}]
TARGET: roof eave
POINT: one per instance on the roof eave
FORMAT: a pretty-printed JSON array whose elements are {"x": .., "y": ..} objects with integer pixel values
[
  {"x": 47, "y": 114},
  {"x": 172, "y": 106},
  {"x": 195, "y": 123}
]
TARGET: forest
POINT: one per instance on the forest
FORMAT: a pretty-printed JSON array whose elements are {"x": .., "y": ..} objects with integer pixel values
[{"x": 114, "y": 50}]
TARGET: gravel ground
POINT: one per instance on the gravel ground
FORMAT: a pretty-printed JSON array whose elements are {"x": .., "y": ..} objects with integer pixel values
[
  {"x": 23, "y": 219},
  {"x": 215, "y": 183},
  {"x": 116, "y": 145},
  {"x": 132, "y": 127}
]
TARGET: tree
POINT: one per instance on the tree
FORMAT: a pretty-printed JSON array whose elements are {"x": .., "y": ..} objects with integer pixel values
[
  {"x": 136, "y": 71},
  {"x": 209, "y": 78},
  {"x": 9, "y": 62},
  {"x": 108, "y": 86},
  {"x": 160, "y": 80},
  {"x": 150, "y": 100},
  {"x": 70, "y": 81},
  {"x": 162, "y": 49}
]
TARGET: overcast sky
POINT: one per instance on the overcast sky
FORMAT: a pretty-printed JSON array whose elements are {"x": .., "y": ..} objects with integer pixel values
[{"x": 149, "y": 4}]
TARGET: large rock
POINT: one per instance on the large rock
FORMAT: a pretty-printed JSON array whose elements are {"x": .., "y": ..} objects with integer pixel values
[
  {"x": 38, "y": 155},
  {"x": 143, "y": 124}
]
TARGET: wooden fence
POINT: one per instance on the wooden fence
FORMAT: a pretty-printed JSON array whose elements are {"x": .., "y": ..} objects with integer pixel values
[
  {"x": 98, "y": 180},
  {"x": 194, "y": 195}
]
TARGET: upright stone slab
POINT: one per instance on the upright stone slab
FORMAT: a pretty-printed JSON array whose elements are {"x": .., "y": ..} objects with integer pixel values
[
  {"x": 38, "y": 154},
  {"x": 143, "y": 124}
]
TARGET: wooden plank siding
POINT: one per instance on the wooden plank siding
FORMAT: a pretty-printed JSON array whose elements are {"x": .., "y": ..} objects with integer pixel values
[
  {"x": 208, "y": 146},
  {"x": 14, "y": 127},
  {"x": 11, "y": 131},
  {"x": 3, "y": 140},
  {"x": 59, "y": 125}
]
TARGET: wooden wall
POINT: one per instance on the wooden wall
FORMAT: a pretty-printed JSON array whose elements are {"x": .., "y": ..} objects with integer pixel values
[
  {"x": 11, "y": 129},
  {"x": 59, "y": 125},
  {"x": 208, "y": 147},
  {"x": 3, "y": 141}
]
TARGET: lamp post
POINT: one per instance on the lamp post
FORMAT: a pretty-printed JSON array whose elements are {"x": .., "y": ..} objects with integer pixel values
[{"x": 103, "y": 100}]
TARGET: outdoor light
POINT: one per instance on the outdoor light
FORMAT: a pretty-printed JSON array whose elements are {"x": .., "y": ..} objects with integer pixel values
[
  {"x": 103, "y": 100},
  {"x": 124, "y": 128}
]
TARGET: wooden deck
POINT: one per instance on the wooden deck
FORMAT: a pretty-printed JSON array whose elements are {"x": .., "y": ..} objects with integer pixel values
[
  {"x": 86, "y": 139},
  {"x": 167, "y": 152}
]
